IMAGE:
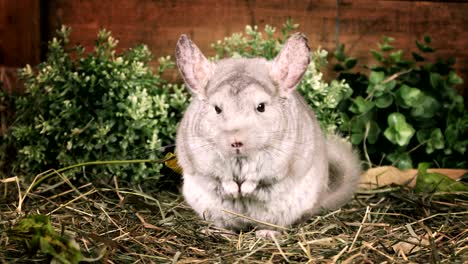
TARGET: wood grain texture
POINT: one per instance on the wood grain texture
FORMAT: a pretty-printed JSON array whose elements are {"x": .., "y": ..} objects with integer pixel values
[
  {"x": 19, "y": 32},
  {"x": 359, "y": 24},
  {"x": 160, "y": 23},
  {"x": 364, "y": 22}
]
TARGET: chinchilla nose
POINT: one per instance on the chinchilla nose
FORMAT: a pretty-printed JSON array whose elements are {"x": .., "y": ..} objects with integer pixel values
[{"x": 237, "y": 144}]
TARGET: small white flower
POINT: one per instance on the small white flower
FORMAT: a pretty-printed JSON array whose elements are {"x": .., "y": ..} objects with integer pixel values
[{"x": 133, "y": 99}]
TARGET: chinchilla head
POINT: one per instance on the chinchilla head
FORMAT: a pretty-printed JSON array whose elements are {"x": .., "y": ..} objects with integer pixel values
[{"x": 244, "y": 104}]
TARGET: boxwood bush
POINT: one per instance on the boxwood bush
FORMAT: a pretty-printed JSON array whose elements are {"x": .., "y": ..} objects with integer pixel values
[{"x": 88, "y": 106}]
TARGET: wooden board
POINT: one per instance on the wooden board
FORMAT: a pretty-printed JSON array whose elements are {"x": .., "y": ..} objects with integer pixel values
[
  {"x": 160, "y": 23},
  {"x": 19, "y": 32},
  {"x": 358, "y": 23},
  {"x": 362, "y": 23}
]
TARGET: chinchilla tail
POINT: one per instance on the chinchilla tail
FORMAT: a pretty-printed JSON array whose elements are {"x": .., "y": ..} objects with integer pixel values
[{"x": 344, "y": 172}]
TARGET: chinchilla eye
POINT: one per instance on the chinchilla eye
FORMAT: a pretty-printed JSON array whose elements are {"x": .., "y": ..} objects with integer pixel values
[
  {"x": 261, "y": 107},
  {"x": 217, "y": 109}
]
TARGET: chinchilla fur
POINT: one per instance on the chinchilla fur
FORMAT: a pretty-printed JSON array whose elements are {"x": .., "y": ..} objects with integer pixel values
[{"x": 249, "y": 144}]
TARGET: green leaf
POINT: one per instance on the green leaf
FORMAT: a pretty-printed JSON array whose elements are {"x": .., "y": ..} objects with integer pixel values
[
  {"x": 454, "y": 79},
  {"x": 451, "y": 61},
  {"x": 358, "y": 129},
  {"x": 423, "y": 135},
  {"x": 435, "y": 79},
  {"x": 427, "y": 39},
  {"x": 377, "y": 55},
  {"x": 384, "y": 101},
  {"x": 395, "y": 119},
  {"x": 338, "y": 67},
  {"x": 361, "y": 106},
  {"x": 376, "y": 77},
  {"x": 376, "y": 89},
  {"x": 339, "y": 53},
  {"x": 451, "y": 134},
  {"x": 410, "y": 96},
  {"x": 431, "y": 182},
  {"x": 423, "y": 47},
  {"x": 434, "y": 141},
  {"x": 461, "y": 146},
  {"x": 399, "y": 131},
  {"x": 437, "y": 139},
  {"x": 396, "y": 56},
  {"x": 381, "y": 88},
  {"x": 388, "y": 39},
  {"x": 350, "y": 63},
  {"x": 356, "y": 138},
  {"x": 401, "y": 160},
  {"x": 448, "y": 151},
  {"x": 390, "y": 85},
  {"x": 373, "y": 132},
  {"x": 37, "y": 233},
  {"x": 427, "y": 107},
  {"x": 417, "y": 57},
  {"x": 385, "y": 47}
]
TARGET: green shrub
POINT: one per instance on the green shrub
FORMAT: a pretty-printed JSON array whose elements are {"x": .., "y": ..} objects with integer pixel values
[
  {"x": 82, "y": 107},
  {"x": 6, "y": 103},
  {"x": 405, "y": 111},
  {"x": 323, "y": 97},
  {"x": 6, "y": 117}
]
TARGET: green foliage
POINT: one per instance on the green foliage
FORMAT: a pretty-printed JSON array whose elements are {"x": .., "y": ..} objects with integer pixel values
[
  {"x": 322, "y": 96},
  {"x": 405, "y": 111},
  {"x": 253, "y": 43},
  {"x": 431, "y": 182},
  {"x": 6, "y": 117},
  {"x": 6, "y": 105},
  {"x": 37, "y": 235},
  {"x": 82, "y": 107}
]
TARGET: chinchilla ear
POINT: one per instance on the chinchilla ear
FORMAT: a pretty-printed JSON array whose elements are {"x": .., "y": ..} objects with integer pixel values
[
  {"x": 195, "y": 68},
  {"x": 291, "y": 63}
]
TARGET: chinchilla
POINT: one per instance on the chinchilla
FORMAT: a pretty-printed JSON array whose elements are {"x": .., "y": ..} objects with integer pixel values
[{"x": 251, "y": 149}]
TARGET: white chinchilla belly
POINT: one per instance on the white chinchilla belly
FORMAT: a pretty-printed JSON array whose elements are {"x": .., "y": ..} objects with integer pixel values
[{"x": 287, "y": 190}]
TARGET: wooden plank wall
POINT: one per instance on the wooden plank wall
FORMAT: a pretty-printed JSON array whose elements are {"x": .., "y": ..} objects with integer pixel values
[
  {"x": 19, "y": 32},
  {"x": 357, "y": 23}
]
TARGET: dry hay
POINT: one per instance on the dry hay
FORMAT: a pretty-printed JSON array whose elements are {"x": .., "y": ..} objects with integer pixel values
[{"x": 119, "y": 223}]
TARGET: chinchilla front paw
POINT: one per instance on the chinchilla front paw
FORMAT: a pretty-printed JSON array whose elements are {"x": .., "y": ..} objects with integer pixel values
[
  {"x": 230, "y": 188},
  {"x": 248, "y": 187}
]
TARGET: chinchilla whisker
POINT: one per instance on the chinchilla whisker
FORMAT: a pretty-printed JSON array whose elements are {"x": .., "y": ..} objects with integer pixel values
[
  {"x": 283, "y": 131},
  {"x": 203, "y": 146},
  {"x": 292, "y": 153},
  {"x": 291, "y": 143},
  {"x": 280, "y": 151}
]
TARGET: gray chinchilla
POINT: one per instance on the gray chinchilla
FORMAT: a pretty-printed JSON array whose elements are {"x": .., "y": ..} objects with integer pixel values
[{"x": 249, "y": 144}]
